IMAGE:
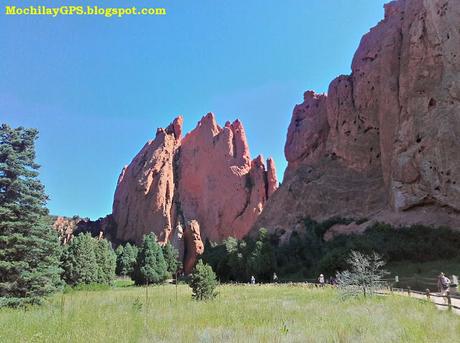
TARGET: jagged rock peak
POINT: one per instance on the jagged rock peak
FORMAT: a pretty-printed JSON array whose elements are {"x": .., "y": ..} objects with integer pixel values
[{"x": 207, "y": 177}]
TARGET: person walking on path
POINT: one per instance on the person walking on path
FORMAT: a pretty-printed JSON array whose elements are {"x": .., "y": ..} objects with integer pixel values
[
  {"x": 275, "y": 278},
  {"x": 253, "y": 280},
  {"x": 443, "y": 285},
  {"x": 321, "y": 280}
]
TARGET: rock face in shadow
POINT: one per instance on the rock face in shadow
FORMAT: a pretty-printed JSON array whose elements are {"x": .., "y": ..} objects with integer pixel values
[
  {"x": 206, "y": 178},
  {"x": 384, "y": 143}
]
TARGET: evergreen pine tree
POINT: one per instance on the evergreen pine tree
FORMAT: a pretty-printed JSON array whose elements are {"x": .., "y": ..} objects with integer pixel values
[
  {"x": 106, "y": 261},
  {"x": 79, "y": 260},
  {"x": 203, "y": 282},
  {"x": 29, "y": 247},
  {"x": 150, "y": 265},
  {"x": 127, "y": 260},
  {"x": 171, "y": 256}
]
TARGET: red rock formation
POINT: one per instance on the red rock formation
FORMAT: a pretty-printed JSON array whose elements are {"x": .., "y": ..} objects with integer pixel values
[
  {"x": 384, "y": 143},
  {"x": 194, "y": 245},
  {"x": 207, "y": 176},
  {"x": 145, "y": 190},
  {"x": 67, "y": 227}
]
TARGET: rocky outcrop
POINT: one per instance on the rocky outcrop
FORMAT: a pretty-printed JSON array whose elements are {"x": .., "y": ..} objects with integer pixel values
[
  {"x": 143, "y": 199},
  {"x": 194, "y": 245},
  {"x": 207, "y": 177},
  {"x": 384, "y": 143},
  {"x": 68, "y": 227},
  {"x": 65, "y": 228}
]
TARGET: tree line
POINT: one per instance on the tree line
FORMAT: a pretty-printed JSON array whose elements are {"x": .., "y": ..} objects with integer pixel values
[
  {"x": 33, "y": 264},
  {"x": 305, "y": 253}
]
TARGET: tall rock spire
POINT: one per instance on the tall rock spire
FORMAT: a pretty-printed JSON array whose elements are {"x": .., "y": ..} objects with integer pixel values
[{"x": 206, "y": 178}]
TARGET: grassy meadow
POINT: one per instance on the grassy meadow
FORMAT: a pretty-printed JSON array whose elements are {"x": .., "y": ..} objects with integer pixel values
[{"x": 241, "y": 313}]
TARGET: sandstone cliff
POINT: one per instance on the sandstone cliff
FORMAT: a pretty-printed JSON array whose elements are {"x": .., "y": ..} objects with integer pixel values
[
  {"x": 384, "y": 143},
  {"x": 205, "y": 183}
]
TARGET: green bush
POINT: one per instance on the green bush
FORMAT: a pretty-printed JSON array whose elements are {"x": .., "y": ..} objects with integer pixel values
[{"x": 203, "y": 282}]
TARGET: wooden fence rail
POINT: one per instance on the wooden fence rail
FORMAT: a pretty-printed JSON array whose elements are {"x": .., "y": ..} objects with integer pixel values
[{"x": 427, "y": 295}]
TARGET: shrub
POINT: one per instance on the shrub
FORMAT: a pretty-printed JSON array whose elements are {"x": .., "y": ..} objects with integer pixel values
[
  {"x": 365, "y": 274},
  {"x": 203, "y": 282}
]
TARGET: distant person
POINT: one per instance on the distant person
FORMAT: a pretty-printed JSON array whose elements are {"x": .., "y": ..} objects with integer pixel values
[
  {"x": 275, "y": 278},
  {"x": 443, "y": 284},
  {"x": 253, "y": 280},
  {"x": 321, "y": 280}
]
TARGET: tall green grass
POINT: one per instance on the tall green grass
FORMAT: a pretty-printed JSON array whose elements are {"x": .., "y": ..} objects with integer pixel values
[{"x": 241, "y": 313}]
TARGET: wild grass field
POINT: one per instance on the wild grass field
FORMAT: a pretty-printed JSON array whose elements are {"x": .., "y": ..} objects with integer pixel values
[{"x": 241, "y": 313}]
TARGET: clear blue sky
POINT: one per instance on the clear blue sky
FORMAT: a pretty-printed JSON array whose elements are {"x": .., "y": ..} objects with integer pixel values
[{"x": 98, "y": 88}]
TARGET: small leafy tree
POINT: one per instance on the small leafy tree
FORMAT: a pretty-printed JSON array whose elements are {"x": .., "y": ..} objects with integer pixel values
[
  {"x": 203, "y": 282},
  {"x": 29, "y": 247},
  {"x": 262, "y": 259},
  {"x": 106, "y": 261},
  {"x": 236, "y": 258},
  {"x": 365, "y": 274},
  {"x": 171, "y": 256},
  {"x": 126, "y": 259},
  {"x": 150, "y": 265},
  {"x": 79, "y": 261}
]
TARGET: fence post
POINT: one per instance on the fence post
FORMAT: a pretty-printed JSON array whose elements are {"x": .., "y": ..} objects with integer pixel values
[
  {"x": 449, "y": 301},
  {"x": 428, "y": 294},
  {"x": 408, "y": 290}
]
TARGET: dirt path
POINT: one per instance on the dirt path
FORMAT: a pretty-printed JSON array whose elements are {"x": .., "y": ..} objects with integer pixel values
[{"x": 436, "y": 299}]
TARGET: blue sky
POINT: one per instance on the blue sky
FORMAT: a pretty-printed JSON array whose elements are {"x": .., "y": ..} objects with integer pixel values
[{"x": 98, "y": 88}]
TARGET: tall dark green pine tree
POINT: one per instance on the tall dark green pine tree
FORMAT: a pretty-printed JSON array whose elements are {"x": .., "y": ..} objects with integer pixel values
[
  {"x": 150, "y": 265},
  {"x": 29, "y": 247},
  {"x": 126, "y": 259},
  {"x": 171, "y": 256},
  {"x": 79, "y": 260},
  {"x": 106, "y": 261}
]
